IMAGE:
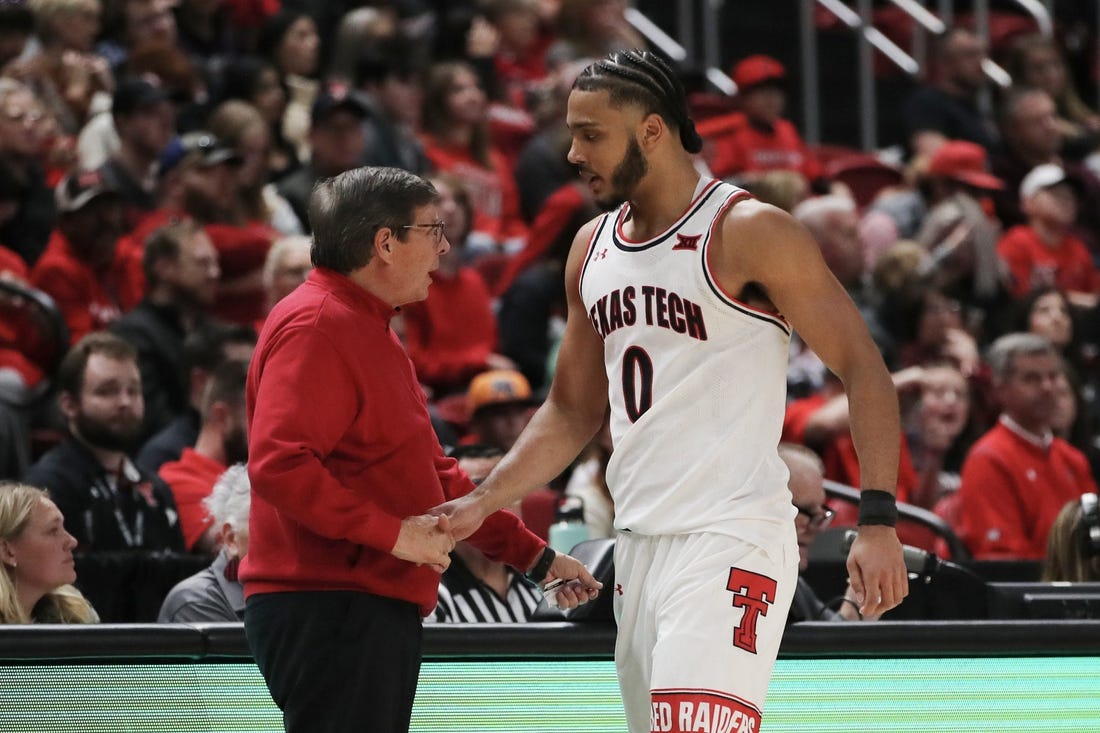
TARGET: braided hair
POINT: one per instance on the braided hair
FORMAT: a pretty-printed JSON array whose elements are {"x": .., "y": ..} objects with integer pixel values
[{"x": 645, "y": 79}]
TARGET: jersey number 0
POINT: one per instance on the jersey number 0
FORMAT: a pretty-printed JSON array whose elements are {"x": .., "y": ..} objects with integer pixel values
[{"x": 637, "y": 382}]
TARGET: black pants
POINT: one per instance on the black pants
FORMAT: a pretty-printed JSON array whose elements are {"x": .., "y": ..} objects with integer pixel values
[{"x": 337, "y": 661}]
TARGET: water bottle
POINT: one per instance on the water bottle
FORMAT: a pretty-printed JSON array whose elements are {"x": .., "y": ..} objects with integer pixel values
[{"x": 568, "y": 528}]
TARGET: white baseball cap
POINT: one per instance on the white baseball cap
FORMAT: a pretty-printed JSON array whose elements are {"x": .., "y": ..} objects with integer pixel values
[{"x": 1040, "y": 177}]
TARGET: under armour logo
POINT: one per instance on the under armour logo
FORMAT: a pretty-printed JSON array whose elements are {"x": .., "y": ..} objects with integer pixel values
[
  {"x": 600, "y": 255},
  {"x": 686, "y": 242},
  {"x": 619, "y": 588}
]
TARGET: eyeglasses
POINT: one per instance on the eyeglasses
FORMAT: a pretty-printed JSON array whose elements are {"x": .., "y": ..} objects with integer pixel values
[
  {"x": 820, "y": 519},
  {"x": 437, "y": 229}
]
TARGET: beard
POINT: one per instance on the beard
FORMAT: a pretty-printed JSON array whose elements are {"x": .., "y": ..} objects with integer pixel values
[
  {"x": 122, "y": 436},
  {"x": 630, "y": 170}
]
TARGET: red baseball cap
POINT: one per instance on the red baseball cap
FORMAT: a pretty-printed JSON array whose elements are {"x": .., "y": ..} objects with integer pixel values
[
  {"x": 963, "y": 161},
  {"x": 756, "y": 70}
]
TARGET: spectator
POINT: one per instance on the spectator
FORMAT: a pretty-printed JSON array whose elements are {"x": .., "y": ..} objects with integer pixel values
[
  {"x": 936, "y": 428},
  {"x": 288, "y": 265},
  {"x": 959, "y": 234},
  {"x": 1044, "y": 252},
  {"x": 499, "y": 403},
  {"x": 257, "y": 82},
  {"x": 132, "y": 23},
  {"x": 204, "y": 350},
  {"x": 215, "y": 594},
  {"x": 592, "y": 29},
  {"x": 289, "y": 40},
  {"x": 757, "y": 138},
  {"x": 947, "y": 108},
  {"x": 388, "y": 84},
  {"x": 452, "y": 335},
  {"x": 240, "y": 126},
  {"x": 222, "y": 442},
  {"x": 475, "y": 589},
  {"x": 28, "y": 230},
  {"x": 456, "y": 141},
  {"x": 1017, "y": 477},
  {"x": 145, "y": 122},
  {"x": 37, "y": 557},
  {"x": 359, "y": 32},
  {"x": 80, "y": 269},
  {"x": 108, "y": 503},
  {"x": 62, "y": 67},
  {"x": 181, "y": 272},
  {"x": 1073, "y": 547},
  {"x": 336, "y": 139},
  {"x": 1031, "y": 137},
  {"x": 812, "y": 517},
  {"x": 1036, "y": 61}
]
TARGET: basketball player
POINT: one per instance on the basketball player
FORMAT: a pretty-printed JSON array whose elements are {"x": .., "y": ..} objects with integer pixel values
[{"x": 681, "y": 303}]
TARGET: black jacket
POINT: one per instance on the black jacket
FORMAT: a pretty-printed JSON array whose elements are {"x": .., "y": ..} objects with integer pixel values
[{"x": 140, "y": 516}]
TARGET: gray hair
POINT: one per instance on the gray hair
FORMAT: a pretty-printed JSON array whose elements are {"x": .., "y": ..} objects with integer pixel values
[
  {"x": 231, "y": 499},
  {"x": 278, "y": 252},
  {"x": 812, "y": 212},
  {"x": 1003, "y": 352}
]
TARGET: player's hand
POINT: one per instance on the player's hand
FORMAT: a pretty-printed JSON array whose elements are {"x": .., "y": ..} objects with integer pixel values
[
  {"x": 876, "y": 570},
  {"x": 465, "y": 515},
  {"x": 425, "y": 540},
  {"x": 580, "y": 586}
]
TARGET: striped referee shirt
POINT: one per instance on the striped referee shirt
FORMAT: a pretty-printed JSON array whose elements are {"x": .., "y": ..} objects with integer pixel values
[{"x": 465, "y": 599}]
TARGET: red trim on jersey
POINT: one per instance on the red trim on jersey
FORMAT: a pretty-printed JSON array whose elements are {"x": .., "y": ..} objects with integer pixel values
[
  {"x": 588, "y": 251},
  {"x": 717, "y": 285},
  {"x": 626, "y": 207}
]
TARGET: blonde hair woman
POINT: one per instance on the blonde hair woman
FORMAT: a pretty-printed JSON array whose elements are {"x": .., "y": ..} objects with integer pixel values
[{"x": 37, "y": 558}]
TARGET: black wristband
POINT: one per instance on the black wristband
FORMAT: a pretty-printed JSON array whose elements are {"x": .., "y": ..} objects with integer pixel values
[
  {"x": 878, "y": 507},
  {"x": 542, "y": 566}
]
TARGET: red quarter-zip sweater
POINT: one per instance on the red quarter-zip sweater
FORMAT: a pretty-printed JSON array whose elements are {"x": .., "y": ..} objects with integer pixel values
[{"x": 341, "y": 449}]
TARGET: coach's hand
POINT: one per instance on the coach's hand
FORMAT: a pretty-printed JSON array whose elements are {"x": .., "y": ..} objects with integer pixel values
[{"x": 425, "y": 540}]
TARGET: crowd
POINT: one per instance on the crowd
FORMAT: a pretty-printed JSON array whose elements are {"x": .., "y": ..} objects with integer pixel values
[{"x": 157, "y": 159}]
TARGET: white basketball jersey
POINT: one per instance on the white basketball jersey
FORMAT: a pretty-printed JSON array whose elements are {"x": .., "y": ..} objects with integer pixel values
[{"x": 696, "y": 382}]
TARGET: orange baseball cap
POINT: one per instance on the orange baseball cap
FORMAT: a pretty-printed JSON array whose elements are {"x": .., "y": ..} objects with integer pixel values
[{"x": 497, "y": 387}]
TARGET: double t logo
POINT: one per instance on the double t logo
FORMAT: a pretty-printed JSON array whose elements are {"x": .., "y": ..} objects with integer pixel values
[{"x": 754, "y": 593}]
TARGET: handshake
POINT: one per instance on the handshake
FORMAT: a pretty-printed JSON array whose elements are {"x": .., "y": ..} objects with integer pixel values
[{"x": 428, "y": 539}]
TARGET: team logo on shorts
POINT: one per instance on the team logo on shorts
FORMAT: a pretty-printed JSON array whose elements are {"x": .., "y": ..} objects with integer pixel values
[
  {"x": 754, "y": 593},
  {"x": 681, "y": 711}
]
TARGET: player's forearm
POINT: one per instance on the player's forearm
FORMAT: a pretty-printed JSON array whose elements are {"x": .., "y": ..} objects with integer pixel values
[
  {"x": 547, "y": 446},
  {"x": 875, "y": 424}
]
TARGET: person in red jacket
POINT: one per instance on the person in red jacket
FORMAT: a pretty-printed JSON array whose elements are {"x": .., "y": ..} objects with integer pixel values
[
  {"x": 79, "y": 268},
  {"x": 757, "y": 138},
  {"x": 452, "y": 335},
  {"x": 222, "y": 442},
  {"x": 344, "y": 556},
  {"x": 1017, "y": 477}
]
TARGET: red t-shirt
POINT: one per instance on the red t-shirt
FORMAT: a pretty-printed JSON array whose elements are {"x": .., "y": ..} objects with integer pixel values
[
  {"x": 451, "y": 334},
  {"x": 1032, "y": 262},
  {"x": 1012, "y": 490},
  {"x": 191, "y": 480},
  {"x": 738, "y": 146},
  {"x": 88, "y": 300},
  {"x": 12, "y": 266},
  {"x": 492, "y": 190}
]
